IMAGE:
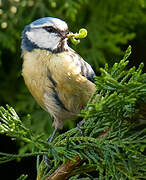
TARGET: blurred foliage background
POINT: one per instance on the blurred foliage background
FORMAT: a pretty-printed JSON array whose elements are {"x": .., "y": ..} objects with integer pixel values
[{"x": 112, "y": 25}]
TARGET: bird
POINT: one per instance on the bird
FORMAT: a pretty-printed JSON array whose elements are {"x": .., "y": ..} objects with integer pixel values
[{"x": 58, "y": 78}]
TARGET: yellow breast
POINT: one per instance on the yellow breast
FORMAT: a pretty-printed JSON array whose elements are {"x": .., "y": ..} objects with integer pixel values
[
  {"x": 45, "y": 72},
  {"x": 35, "y": 73},
  {"x": 74, "y": 89}
]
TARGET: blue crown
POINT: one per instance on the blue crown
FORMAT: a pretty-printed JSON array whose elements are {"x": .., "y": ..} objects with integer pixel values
[{"x": 43, "y": 20}]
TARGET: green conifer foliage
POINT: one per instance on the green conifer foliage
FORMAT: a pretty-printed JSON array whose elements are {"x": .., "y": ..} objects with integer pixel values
[
  {"x": 113, "y": 138},
  {"x": 111, "y": 25}
]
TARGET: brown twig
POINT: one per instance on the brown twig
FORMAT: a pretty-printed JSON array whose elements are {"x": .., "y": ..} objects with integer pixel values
[{"x": 64, "y": 171}]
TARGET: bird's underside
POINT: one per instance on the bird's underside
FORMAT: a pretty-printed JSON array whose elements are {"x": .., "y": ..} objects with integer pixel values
[{"x": 60, "y": 83}]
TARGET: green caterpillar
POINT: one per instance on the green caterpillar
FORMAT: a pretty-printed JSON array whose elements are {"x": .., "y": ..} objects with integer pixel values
[{"x": 82, "y": 34}]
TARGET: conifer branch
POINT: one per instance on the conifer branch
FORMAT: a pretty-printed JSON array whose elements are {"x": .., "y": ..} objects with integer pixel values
[
  {"x": 113, "y": 135},
  {"x": 66, "y": 170}
]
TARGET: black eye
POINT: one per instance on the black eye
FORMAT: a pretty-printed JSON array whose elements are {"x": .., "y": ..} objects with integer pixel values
[{"x": 49, "y": 29}]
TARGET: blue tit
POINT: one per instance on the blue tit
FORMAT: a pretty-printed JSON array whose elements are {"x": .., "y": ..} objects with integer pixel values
[{"x": 57, "y": 77}]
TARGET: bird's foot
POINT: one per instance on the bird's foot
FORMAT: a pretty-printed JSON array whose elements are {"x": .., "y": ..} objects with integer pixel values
[
  {"x": 79, "y": 125},
  {"x": 47, "y": 161}
]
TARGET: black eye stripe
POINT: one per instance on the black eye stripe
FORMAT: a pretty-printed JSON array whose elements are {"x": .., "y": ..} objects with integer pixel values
[{"x": 50, "y": 29}]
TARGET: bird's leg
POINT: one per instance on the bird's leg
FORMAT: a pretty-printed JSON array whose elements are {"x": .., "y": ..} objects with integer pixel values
[
  {"x": 52, "y": 135},
  {"x": 79, "y": 125},
  {"x": 45, "y": 157}
]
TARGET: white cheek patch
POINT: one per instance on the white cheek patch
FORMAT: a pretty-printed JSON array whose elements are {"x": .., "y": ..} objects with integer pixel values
[{"x": 43, "y": 39}]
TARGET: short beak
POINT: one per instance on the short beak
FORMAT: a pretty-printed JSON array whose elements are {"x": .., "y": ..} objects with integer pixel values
[
  {"x": 69, "y": 34},
  {"x": 64, "y": 34}
]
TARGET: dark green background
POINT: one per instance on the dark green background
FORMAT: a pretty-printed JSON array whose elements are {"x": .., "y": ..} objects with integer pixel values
[{"x": 112, "y": 25}]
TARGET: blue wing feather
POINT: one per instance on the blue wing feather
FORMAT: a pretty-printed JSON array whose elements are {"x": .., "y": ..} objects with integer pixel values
[{"x": 86, "y": 69}]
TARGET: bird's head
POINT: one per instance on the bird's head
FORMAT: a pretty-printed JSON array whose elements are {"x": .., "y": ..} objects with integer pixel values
[{"x": 45, "y": 33}]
